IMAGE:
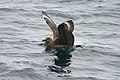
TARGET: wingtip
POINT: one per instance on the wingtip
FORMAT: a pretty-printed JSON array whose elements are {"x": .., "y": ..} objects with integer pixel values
[
  {"x": 43, "y": 12},
  {"x": 79, "y": 46},
  {"x": 70, "y": 21}
]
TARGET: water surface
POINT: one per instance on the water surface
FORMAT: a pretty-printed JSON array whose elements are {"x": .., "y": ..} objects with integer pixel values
[{"x": 97, "y": 28}]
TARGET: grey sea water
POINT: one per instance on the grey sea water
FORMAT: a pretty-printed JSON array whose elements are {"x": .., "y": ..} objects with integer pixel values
[{"x": 97, "y": 28}]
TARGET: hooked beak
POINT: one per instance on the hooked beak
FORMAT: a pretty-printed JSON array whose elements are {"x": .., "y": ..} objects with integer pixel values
[{"x": 43, "y": 40}]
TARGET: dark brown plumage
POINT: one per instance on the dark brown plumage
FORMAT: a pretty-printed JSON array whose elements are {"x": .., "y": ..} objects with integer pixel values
[{"x": 62, "y": 36}]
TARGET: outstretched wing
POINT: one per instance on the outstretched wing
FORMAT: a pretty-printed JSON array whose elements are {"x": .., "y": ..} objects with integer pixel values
[
  {"x": 65, "y": 33},
  {"x": 51, "y": 24}
]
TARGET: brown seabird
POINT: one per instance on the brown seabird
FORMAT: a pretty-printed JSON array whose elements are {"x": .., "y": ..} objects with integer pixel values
[{"x": 62, "y": 35}]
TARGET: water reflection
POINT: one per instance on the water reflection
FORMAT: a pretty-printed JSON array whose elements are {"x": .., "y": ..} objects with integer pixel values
[
  {"x": 62, "y": 60},
  {"x": 63, "y": 57}
]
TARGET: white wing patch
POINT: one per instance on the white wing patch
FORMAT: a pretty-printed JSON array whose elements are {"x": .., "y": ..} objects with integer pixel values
[{"x": 70, "y": 25}]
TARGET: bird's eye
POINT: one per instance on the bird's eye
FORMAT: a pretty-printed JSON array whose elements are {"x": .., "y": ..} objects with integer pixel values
[{"x": 47, "y": 39}]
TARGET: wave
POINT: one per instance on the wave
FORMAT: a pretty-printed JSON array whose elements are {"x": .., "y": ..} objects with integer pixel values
[
  {"x": 84, "y": 78},
  {"x": 12, "y": 10},
  {"x": 22, "y": 28},
  {"x": 104, "y": 35},
  {"x": 60, "y": 14}
]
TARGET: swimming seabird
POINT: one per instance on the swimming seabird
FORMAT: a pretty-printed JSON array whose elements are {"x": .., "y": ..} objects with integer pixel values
[{"x": 62, "y": 35}]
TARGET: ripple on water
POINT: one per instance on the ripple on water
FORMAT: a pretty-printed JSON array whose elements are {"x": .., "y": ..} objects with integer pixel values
[{"x": 22, "y": 27}]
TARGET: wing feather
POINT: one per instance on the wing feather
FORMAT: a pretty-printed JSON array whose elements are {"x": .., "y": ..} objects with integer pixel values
[
  {"x": 51, "y": 24},
  {"x": 70, "y": 25}
]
